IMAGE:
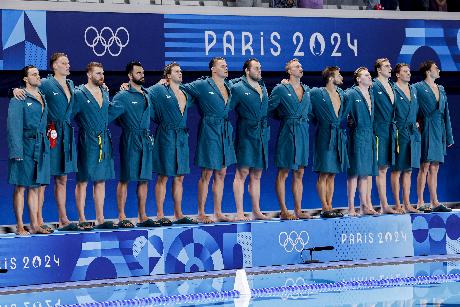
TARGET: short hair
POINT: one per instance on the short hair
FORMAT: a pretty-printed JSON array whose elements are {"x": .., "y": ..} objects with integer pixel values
[
  {"x": 426, "y": 66},
  {"x": 168, "y": 69},
  {"x": 214, "y": 61},
  {"x": 91, "y": 65},
  {"x": 55, "y": 56},
  {"x": 399, "y": 66},
  {"x": 247, "y": 64},
  {"x": 130, "y": 66},
  {"x": 357, "y": 73},
  {"x": 378, "y": 63},
  {"x": 329, "y": 72},
  {"x": 286, "y": 67},
  {"x": 25, "y": 73}
]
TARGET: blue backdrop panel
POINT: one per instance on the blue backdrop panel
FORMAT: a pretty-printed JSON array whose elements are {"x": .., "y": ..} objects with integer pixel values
[
  {"x": 155, "y": 39},
  {"x": 170, "y": 250},
  {"x": 355, "y": 238}
]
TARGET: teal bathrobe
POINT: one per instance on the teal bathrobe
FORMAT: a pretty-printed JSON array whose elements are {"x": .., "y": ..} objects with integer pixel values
[
  {"x": 136, "y": 141},
  {"x": 95, "y": 161},
  {"x": 214, "y": 148},
  {"x": 63, "y": 157},
  {"x": 293, "y": 140},
  {"x": 253, "y": 132},
  {"x": 26, "y": 125},
  {"x": 408, "y": 140},
  {"x": 362, "y": 142},
  {"x": 436, "y": 125},
  {"x": 330, "y": 155},
  {"x": 171, "y": 150},
  {"x": 384, "y": 124}
]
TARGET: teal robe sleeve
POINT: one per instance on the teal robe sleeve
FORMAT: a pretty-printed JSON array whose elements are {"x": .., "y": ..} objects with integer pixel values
[
  {"x": 15, "y": 129},
  {"x": 192, "y": 88},
  {"x": 274, "y": 101},
  {"x": 449, "y": 134},
  {"x": 116, "y": 108}
]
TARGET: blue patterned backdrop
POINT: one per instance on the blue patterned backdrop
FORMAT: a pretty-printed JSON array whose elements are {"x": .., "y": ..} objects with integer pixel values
[{"x": 170, "y": 250}]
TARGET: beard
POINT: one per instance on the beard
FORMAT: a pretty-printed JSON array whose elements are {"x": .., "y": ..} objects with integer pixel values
[
  {"x": 97, "y": 82},
  {"x": 139, "y": 82}
]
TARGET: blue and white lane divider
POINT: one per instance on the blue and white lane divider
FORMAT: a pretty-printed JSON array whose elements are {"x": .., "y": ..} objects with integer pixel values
[{"x": 277, "y": 291}]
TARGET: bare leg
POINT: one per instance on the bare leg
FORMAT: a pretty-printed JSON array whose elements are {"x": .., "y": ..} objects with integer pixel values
[
  {"x": 363, "y": 187},
  {"x": 32, "y": 201},
  {"x": 41, "y": 201},
  {"x": 421, "y": 182},
  {"x": 352, "y": 182},
  {"x": 177, "y": 191},
  {"x": 122, "y": 192},
  {"x": 238, "y": 191},
  {"x": 330, "y": 190},
  {"x": 395, "y": 187},
  {"x": 381, "y": 182},
  {"x": 297, "y": 191},
  {"x": 60, "y": 194},
  {"x": 321, "y": 188},
  {"x": 99, "y": 196},
  {"x": 369, "y": 194},
  {"x": 80, "y": 199},
  {"x": 203, "y": 186},
  {"x": 142, "y": 190},
  {"x": 160, "y": 194},
  {"x": 218, "y": 191},
  {"x": 254, "y": 192},
  {"x": 433, "y": 183},
  {"x": 406, "y": 182},
  {"x": 18, "y": 203},
  {"x": 280, "y": 187}
]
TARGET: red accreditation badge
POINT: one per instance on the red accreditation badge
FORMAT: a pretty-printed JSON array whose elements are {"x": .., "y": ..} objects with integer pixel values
[{"x": 51, "y": 133}]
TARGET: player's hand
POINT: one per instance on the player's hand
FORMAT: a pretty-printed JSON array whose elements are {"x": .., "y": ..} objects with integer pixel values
[
  {"x": 124, "y": 86},
  {"x": 19, "y": 93}
]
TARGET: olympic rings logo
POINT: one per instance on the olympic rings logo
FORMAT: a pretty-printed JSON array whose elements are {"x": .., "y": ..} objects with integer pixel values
[
  {"x": 293, "y": 240},
  {"x": 106, "y": 40}
]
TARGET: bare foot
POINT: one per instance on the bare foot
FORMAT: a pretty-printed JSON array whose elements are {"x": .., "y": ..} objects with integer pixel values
[
  {"x": 241, "y": 217},
  {"x": 388, "y": 210},
  {"x": 352, "y": 212},
  {"x": 219, "y": 217},
  {"x": 39, "y": 231},
  {"x": 400, "y": 210},
  {"x": 303, "y": 215},
  {"x": 204, "y": 219},
  {"x": 21, "y": 232},
  {"x": 259, "y": 216},
  {"x": 288, "y": 216},
  {"x": 64, "y": 222},
  {"x": 369, "y": 211},
  {"x": 410, "y": 209}
]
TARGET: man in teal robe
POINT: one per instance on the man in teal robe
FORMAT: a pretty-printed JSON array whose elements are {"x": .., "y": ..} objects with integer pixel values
[
  {"x": 215, "y": 150},
  {"x": 250, "y": 101},
  {"x": 384, "y": 130},
  {"x": 170, "y": 105},
  {"x": 359, "y": 106},
  {"x": 95, "y": 161},
  {"x": 436, "y": 133},
  {"x": 136, "y": 144},
  {"x": 330, "y": 154},
  {"x": 408, "y": 139},
  {"x": 291, "y": 104},
  {"x": 28, "y": 149},
  {"x": 60, "y": 95}
]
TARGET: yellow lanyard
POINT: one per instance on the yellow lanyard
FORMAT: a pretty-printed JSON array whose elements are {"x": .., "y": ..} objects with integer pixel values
[
  {"x": 99, "y": 141},
  {"x": 397, "y": 141}
]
